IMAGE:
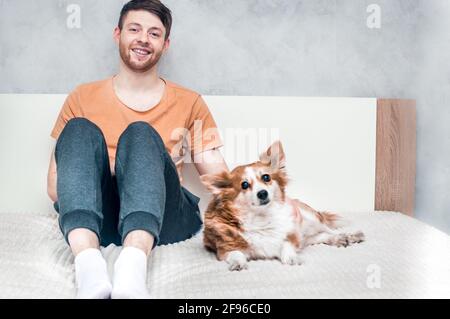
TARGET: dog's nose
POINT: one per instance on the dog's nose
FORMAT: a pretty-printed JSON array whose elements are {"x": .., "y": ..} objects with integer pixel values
[{"x": 262, "y": 194}]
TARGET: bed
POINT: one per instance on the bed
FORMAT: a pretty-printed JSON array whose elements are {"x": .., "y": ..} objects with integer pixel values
[{"x": 355, "y": 156}]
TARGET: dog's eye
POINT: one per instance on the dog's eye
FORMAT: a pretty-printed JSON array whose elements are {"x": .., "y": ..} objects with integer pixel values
[
  {"x": 245, "y": 185},
  {"x": 266, "y": 177}
]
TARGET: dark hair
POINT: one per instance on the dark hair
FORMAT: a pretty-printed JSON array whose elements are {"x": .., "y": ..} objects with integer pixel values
[{"x": 153, "y": 6}]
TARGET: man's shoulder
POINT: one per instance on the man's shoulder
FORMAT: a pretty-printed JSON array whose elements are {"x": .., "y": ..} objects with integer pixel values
[
  {"x": 92, "y": 87},
  {"x": 181, "y": 91}
]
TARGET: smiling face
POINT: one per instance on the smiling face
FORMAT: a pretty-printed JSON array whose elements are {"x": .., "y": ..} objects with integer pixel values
[{"x": 141, "y": 40}]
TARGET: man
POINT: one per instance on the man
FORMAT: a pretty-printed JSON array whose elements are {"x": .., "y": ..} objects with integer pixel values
[{"x": 114, "y": 176}]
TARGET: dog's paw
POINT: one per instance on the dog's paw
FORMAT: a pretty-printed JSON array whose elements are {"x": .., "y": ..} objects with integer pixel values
[
  {"x": 344, "y": 240},
  {"x": 236, "y": 261},
  {"x": 291, "y": 259},
  {"x": 341, "y": 240},
  {"x": 357, "y": 237},
  {"x": 238, "y": 265}
]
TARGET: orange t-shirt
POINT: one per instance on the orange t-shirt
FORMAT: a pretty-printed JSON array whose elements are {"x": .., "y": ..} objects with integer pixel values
[{"x": 182, "y": 118}]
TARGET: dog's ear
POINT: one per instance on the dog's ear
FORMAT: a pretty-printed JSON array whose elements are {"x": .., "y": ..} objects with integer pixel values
[
  {"x": 274, "y": 156},
  {"x": 216, "y": 183}
]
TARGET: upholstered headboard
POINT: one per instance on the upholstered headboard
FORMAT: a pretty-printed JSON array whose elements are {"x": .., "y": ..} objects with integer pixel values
[{"x": 353, "y": 154}]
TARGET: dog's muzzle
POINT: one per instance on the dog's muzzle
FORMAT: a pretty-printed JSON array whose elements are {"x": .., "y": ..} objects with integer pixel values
[{"x": 263, "y": 197}]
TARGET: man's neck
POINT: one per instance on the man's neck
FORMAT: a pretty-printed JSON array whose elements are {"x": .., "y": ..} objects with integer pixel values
[{"x": 131, "y": 81}]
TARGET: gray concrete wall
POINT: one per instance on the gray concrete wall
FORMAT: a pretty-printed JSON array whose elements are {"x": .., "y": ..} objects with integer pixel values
[{"x": 260, "y": 47}]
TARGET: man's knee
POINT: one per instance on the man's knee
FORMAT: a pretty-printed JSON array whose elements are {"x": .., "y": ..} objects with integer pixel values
[
  {"x": 79, "y": 131},
  {"x": 142, "y": 129},
  {"x": 81, "y": 124},
  {"x": 80, "y": 128}
]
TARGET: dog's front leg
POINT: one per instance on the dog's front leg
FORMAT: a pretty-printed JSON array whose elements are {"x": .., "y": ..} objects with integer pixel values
[
  {"x": 288, "y": 254},
  {"x": 236, "y": 260}
]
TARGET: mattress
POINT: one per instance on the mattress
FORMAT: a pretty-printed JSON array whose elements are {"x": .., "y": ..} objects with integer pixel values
[{"x": 401, "y": 258}]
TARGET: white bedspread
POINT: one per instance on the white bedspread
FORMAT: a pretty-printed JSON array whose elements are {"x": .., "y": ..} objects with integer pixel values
[{"x": 401, "y": 258}]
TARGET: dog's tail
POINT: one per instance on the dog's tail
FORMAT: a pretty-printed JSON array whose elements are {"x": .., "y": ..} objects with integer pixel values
[{"x": 332, "y": 220}]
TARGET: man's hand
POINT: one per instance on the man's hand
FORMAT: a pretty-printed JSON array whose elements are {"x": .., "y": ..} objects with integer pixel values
[
  {"x": 112, "y": 165},
  {"x": 52, "y": 179}
]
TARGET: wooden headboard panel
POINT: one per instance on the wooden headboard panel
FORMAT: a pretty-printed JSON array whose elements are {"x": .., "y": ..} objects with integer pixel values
[
  {"x": 377, "y": 136},
  {"x": 396, "y": 155},
  {"x": 342, "y": 153}
]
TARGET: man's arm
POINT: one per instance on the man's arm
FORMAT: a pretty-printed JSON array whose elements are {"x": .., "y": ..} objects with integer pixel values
[
  {"x": 51, "y": 178},
  {"x": 210, "y": 162}
]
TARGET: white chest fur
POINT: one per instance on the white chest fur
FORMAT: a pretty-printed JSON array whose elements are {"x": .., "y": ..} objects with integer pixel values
[{"x": 266, "y": 229}]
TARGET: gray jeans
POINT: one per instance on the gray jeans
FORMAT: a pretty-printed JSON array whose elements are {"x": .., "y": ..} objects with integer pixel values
[{"x": 145, "y": 193}]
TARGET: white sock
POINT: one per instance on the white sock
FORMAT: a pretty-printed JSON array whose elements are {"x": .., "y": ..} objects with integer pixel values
[
  {"x": 91, "y": 275},
  {"x": 130, "y": 275}
]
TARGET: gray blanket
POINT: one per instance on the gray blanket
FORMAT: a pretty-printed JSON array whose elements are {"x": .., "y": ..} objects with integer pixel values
[{"x": 401, "y": 257}]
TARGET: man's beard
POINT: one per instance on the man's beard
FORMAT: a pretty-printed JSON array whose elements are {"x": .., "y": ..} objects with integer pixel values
[{"x": 141, "y": 67}]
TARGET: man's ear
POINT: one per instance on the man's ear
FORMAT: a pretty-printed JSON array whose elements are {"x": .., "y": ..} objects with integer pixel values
[
  {"x": 166, "y": 45},
  {"x": 116, "y": 35},
  {"x": 274, "y": 156},
  {"x": 216, "y": 183}
]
